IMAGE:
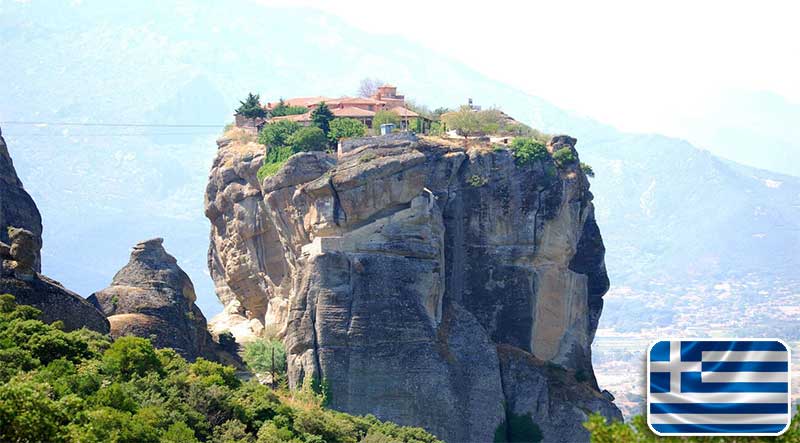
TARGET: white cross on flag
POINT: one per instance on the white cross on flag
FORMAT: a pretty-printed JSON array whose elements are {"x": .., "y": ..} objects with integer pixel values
[{"x": 718, "y": 387}]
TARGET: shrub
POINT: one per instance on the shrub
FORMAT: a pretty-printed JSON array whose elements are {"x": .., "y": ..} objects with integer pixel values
[
  {"x": 346, "y": 128},
  {"x": 527, "y": 150},
  {"x": 277, "y": 133},
  {"x": 477, "y": 181},
  {"x": 436, "y": 129},
  {"x": 587, "y": 169},
  {"x": 308, "y": 139},
  {"x": 564, "y": 157},
  {"x": 251, "y": 107}
]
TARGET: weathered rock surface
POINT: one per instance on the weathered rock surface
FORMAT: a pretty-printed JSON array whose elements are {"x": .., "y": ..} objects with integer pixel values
[
  {"x": 428, "y": 284},
  {"x": 152, "y": 297},
  {"x": 17, "y": 208},
  {"x": 20, "y": 258}
]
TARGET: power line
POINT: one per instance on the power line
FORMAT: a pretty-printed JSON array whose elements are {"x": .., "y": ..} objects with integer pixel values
[
  {"x": 144, "y": 134},
  {"x": 136, "y": 125}
]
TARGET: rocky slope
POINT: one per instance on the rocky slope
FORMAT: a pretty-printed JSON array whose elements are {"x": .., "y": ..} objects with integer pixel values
[
  {"x": 20, "y": 254},
  {"x": 425, "y": 283},
  {"x": 152, "y": 297}
]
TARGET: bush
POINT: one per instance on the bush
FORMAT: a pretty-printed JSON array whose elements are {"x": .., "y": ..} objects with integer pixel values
[
  {"x": 277, "y": 133},
  {"x": 527, "y": 150},
  {"x": 587, "y": 170},
  {"x": 477, "y": 181},
  {"x": 564, "y": 157},
  {"x": 518, "y": 428},
  {"x": 346, "y": 128},
  {"x": 308, "y": 139}
]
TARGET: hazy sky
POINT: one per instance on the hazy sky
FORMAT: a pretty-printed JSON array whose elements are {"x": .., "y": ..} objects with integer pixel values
[{"x": 639, "y": 65}]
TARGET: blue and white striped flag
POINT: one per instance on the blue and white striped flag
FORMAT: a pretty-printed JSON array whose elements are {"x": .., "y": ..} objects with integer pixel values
[{"x": 713, "y": 387}]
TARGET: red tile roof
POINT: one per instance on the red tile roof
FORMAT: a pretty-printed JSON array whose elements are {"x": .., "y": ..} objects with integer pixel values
[{"x": 351, "y": 111}]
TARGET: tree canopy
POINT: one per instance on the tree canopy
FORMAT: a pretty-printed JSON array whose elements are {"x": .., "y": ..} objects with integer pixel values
[
  {"x": 281, "y": 109},
  {"x": 470, "y": 123},
  {"x": 251, "y": 107},
  {"x": 78, "y": 386},
  {"x": 322, "y": 116},
  {"x": 346, "y": 128}
]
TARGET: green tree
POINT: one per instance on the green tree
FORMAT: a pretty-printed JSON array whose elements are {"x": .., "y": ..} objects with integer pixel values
[
  {"x": 310, "y": 138},
  {"x": 346, "y": 128},
  {"x": 251, "y": 107},
  {"x": 131, "y": 355},
  {"x": 321, "y": 117},
  {"x": 277, "y": 133},
  {"x": 281, "y": 109},
  {"x": 258, "y": 356},
  {"x": 383, "y": 117},
  {"x": 470, "y": 123}
]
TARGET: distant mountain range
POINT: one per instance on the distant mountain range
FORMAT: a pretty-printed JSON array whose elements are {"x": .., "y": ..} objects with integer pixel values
[{"x": 667, "y": 210}]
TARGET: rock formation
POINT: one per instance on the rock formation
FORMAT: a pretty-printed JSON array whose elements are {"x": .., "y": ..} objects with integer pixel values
[
  {"x": 152, "y": 297},
  {"x": 423, "y": 282},
  {"x": 20, "y": 246},
  {"x": 17, "y": 208}
]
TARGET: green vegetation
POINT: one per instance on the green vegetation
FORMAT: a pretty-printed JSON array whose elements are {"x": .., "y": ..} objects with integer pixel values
[
  {"x": 638, "y": 432},
  {"x": 436, "y": 129},
  {"x": 307, "y": 139},
  {"x": 58, "y": 386},
  {"x": 528, "y": 150},
  {"x": 564, "y": 157},
  {"x": 251, "y": 107},
  {"x": 383, "y": 117},
  {"x": 281, "y": 109},
  {"x": 477, "y": 181},
  {"x": 277, "y": 133},
  {"x": 518, "y": 428},
  {"x": 587, "y": 169},
  {"x": 259, "y": 356},
  {"x": 346, "y": 128},
  {"x": 284, "y": 139},
  {"x": 321, "y": 117},
  {"x": 470, "y": 123}
]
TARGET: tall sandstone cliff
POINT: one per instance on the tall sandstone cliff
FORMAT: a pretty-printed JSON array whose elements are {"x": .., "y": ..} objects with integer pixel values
[{"x": 426, "y": 283}]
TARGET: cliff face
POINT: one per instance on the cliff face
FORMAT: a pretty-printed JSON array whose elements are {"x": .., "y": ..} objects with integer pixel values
[
  {"x": 20, "y": 258},
  {"x": 17, "y": 208},
  {"x": 427, "y": 284},
  {"x": 152, "y": 297}
]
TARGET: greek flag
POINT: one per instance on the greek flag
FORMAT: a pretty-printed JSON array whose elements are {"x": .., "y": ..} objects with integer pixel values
[{"x": 712, "y": 387}]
